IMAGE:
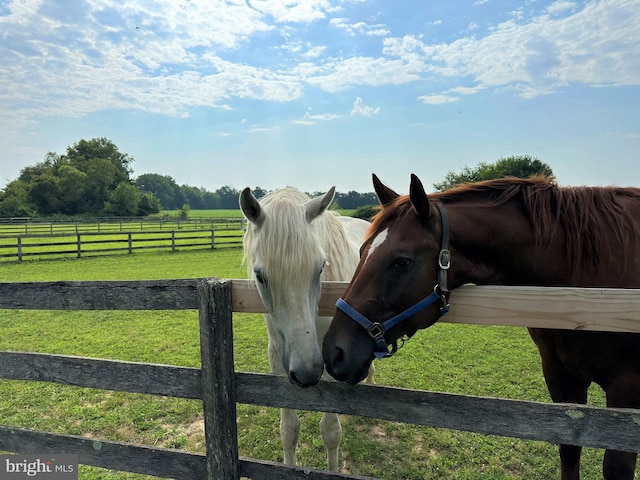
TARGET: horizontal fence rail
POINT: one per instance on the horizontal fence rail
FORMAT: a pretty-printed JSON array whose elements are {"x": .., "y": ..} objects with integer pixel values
[
  {"x": 84, "y": 244},
  {"x": 554, "y": 423},
  {"x": 25, "y": 226},
  {"x": 569, "y": 308}
]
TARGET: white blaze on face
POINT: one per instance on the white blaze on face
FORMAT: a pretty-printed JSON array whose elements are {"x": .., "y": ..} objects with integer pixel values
[{"x": 379, "y": 240}]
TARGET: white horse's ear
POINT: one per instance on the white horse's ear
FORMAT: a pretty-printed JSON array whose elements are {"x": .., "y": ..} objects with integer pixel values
[
  {"x": 384, "y": 193},
  {"x": 251, "y": 207},
  {"x": 419, "y": 198},
  {"x": 314, "y": 208}
]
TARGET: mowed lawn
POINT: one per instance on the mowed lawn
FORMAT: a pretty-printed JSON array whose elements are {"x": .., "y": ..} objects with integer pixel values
[{"x": 489, "y": 361}]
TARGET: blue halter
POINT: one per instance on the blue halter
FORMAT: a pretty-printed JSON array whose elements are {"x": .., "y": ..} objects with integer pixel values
[{"x": 376, "y": 330}]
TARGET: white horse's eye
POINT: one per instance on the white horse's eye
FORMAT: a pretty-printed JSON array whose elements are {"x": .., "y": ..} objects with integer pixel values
[
  {"x": 324, "y": 264},
  {"x": 259, "y": 276}
]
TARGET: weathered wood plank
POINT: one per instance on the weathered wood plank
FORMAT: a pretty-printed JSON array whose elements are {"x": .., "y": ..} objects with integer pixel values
[
  {"x": 602, "y": 309},
  {"x": 541, "y": 307},
  {"x": 613, "y": 309},
  {"x": 263, "y": 470},
  {"x": 537, "y": 421},
  {"x": 554, "y": 423},
  {"x": 218, "y": 379},
  {"x": 100, "y": 295},
  {"x": 160, "y": 462},
  {"x": 130, "y": 377},
  {"x": 610, "y": 309}
]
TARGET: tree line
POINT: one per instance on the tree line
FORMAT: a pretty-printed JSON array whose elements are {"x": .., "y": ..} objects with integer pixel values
[{"x": 93, "y": 178}]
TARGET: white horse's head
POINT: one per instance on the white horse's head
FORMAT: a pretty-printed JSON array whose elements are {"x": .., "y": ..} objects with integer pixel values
[{"x": 284, "y": 254}]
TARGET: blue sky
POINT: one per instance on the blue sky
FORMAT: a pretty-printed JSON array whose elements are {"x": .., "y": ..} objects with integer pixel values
[{"x": 315, "y": 93}]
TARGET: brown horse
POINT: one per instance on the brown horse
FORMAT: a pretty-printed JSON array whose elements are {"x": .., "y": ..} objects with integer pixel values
[{"x": 498, "y": 232}]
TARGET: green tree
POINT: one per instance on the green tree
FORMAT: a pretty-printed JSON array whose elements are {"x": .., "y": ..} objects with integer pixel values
[
  {"x": 366, "y": 212},
  {"x": 164, "y": 187},
  {"x": 521, "y": 166},
  {"x": 14, "y": 200},
  {"x": 72, "y": 186},
  {"x": 83, "y": 153},
  {"x": 193, "y": 196},
  {"x": 44, "y": 193},
  {"x": 210, "y": 200},
  {"x": 184, "y": 211},
  {"x": 80, "y": 181},
  {"x": 149, "y": 204},
  {"x": 124, "y": 201},
  {"x": 228, "y": 197},
  {"x": 99, "y": 184}
]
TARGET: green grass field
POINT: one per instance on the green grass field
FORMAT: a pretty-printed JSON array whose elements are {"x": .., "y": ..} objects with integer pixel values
[{"x": 491, "y": 361}]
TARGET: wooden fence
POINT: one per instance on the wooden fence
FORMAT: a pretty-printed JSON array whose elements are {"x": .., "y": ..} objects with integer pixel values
[
  {"x": 83, "y": 244},
  {"x": 219, "y": 387},
  {"x": 41, "y": 226}
]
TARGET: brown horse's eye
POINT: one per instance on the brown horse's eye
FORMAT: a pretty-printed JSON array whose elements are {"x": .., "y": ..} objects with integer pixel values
[{"x": 401, "y": 263}]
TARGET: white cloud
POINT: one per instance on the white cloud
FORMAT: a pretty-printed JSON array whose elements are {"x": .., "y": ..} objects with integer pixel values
[
  {"x": 338, "y": 75},
  {"x": 315, "y": 52},
  {"x": 259, "y": 129},
  {"x": 360, "y": 28},
  {"x": 291, "y": 11},
  {"x": 595, "y": 46},
  {"x": 465, "y": 90},
  {"x": 561, "y": 6},
  {"x": 173, "y": 55},
  {"x": 437, "y": 99},
  {"x": 309, "y": 119},
  {"x": 363, "y": 110}
]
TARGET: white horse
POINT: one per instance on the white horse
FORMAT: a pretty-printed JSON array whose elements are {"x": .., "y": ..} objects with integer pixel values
[{"x": 292, "y": 243}]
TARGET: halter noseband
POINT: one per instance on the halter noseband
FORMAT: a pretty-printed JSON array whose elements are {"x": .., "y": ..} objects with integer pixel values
[{"x": 376, "y": 330}]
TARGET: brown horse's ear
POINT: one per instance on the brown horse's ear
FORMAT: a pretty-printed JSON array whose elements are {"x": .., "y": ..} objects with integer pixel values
[
  {"x": 251, "y": 207},
  {"x": 419, "y": 198},
  {"x": 384, "y": 193}
]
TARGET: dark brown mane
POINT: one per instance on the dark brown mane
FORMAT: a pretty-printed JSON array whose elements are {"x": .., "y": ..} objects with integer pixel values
[{"x": 592, "y": 215}]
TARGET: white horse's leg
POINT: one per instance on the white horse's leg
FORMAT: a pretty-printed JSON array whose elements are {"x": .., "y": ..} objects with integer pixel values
[
  {"x": 289, "y": 421},
  {"x": 289, "y": 432},
  {"x": 370, "y": 380},
  {"x": 331, "y": 433}
]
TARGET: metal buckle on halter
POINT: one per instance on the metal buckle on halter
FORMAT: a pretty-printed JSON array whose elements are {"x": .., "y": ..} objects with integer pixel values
[
  {"x": 444, "y": 259},
  {"x": 445, "y": 304},
  {"x": 375, "y": 331}
]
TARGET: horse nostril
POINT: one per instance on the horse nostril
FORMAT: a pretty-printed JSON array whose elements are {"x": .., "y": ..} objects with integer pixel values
[
  {"x": 301, "y": 381},
  {"x": 294, "y": 378},
  {"x": 338, "y": 356}
]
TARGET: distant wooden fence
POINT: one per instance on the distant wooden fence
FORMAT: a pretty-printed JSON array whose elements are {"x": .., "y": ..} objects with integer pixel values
[
  {"x": 40, "y": 226},
  {"x": 219, "y": 387},
  {"x": 83, "y": 244}
]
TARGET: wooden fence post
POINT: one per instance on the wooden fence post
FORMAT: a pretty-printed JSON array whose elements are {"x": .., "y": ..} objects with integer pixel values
[
  {"x": 19, "y": 248},
  {"x": 218, "y": 378},
  {"x": 213, "y": 239},
  {"x": 79, "y": 243}
]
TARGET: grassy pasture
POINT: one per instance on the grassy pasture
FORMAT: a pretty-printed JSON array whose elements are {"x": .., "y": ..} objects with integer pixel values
[{"x": 491, "y": 361}]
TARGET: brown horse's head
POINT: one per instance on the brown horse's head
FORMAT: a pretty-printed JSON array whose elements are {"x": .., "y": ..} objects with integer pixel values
[{"x": 402, "y": 263}]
